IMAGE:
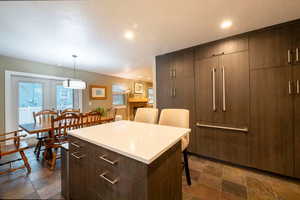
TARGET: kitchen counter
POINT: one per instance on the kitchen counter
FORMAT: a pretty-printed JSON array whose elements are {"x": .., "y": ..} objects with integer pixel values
[
  {"x": 126, "y": 160},
  {"x": 140, "y": 141}
]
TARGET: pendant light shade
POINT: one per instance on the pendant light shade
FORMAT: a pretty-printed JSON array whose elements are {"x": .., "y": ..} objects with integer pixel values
[{"x": 73, "y": 83}]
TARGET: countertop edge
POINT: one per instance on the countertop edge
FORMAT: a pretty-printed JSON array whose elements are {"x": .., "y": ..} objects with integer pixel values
[{"x": 130, "y": 155}]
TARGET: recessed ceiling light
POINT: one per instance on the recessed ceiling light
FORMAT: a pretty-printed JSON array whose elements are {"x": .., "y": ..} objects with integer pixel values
[
  {"x": 226, "y": 24},
  {"x": 129, "y": 35}
]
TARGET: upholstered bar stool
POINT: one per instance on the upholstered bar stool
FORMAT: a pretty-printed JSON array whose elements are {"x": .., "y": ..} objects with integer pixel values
[
  {"x": 146, "y": 115},
  {"x": 178, "y": 118}
]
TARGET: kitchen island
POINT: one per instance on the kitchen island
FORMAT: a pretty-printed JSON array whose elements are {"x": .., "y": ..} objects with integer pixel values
[{"x": 126, "y": 160}]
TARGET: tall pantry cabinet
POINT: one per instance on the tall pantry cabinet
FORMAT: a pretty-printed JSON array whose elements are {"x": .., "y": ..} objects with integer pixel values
[
  {"x": 175, "y": 82},
  {"x": 244, "y": 96}
]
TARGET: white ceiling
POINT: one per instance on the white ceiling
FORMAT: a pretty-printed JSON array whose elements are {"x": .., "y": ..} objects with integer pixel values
[{"x": 51, "y": 31}]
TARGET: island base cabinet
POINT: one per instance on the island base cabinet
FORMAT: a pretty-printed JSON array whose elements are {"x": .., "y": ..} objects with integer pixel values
[{"x": 100, "y": 174}]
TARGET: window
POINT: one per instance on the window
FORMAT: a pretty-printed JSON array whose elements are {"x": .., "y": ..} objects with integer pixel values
[
  {"x": 118, "y": 95},
  {"x": 150, "y": 96},
  {"x": 64, "y": 98},
  {"x": 30, "y": 100}
]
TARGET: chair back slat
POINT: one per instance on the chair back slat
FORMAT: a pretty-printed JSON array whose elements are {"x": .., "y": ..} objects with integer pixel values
[
  {"x": 64, "y": 123},
  {"x": 90, "y": 119},
  {"x": 44, "y": 116},
  {"x": 69, "y": 111}
]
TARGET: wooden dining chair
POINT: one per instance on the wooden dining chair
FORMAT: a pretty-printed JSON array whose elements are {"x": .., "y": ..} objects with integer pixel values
[
  {"x": 70, "y": 110},
  {"x": 59, "y": 135},
  {"x": 43, "y": 116},
  {"x": 90, "y": 119},
  {"x": 16, "y": 146},
  {"x": 178, "y": 118},
  {"x": 146, "y": 115}
]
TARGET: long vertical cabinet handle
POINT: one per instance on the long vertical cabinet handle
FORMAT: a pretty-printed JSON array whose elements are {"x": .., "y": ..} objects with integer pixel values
[
  {"x": 297, "y": 54},
  {"x": 298, "y": 86},
  {"x": 289, "y": 56},
  {"x": 171, "y": 92},
  {"x": 290, "y": 87},
  {"x": 174, "y": 92},
  {"x": 214, "y": 89},
  {"x": 224, "y": 89}
]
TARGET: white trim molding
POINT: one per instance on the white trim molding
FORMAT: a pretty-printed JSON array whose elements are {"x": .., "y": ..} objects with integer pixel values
[{"x": 8, "y": 92}]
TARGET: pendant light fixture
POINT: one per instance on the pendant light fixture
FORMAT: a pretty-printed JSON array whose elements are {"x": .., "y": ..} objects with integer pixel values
[{"x": 73, "y": 83}]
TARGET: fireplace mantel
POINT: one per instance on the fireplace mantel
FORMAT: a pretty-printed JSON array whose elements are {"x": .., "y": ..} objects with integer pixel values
[{"x": 134, "y": 104}]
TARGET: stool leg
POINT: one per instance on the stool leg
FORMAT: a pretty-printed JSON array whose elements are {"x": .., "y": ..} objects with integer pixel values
[{"x": 186, "y": 167}]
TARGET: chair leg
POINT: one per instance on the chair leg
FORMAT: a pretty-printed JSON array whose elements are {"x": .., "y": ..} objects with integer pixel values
[
  {"x": 186, "y": 167},
  {"x": 53, "y": 161},
  {"x": 25, "y": 160}
]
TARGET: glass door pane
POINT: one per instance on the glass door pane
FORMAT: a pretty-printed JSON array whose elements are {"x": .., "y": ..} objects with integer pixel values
[
  {"x": 64, "y": 98},
  {"x": 30, "y": 100}
]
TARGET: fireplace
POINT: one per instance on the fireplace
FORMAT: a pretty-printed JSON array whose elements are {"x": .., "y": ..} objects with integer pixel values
[{"x": 134, "y": 104}]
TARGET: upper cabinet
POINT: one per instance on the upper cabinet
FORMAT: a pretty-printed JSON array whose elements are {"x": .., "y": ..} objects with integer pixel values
[
  {"x": 296, "y": 44},
  {"x": 227, "y": 46},
  {"x": 270, "y": 48}
]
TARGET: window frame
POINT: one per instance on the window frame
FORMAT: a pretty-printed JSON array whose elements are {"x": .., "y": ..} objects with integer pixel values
[{"x": 124, "y": 105}]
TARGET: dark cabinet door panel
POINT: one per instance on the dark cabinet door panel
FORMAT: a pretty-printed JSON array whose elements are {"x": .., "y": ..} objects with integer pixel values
[
  {"x": 234, "y": 44},
  {"x": 207, "y": 143},
  {"x": 164, "y": 82},
  {"x": 207, "y": 50},
  {"x": 225, "y": 145},
  {"x": 297, "y": 119},
  {"x": 207, "y": 90},
  {"x": 269, "y": 48},
  {"x": 271, "y": 136},
  {"x": 234, "y": 86},
  {"x": 226, "y": 46},
  {"x": 296, "y": 43}
]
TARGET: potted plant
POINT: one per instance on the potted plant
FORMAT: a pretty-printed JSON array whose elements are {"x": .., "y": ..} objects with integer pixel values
[{"x": 102, "y": 111}]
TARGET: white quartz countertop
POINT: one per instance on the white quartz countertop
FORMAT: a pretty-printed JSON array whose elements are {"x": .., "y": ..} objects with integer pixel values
[{"x": 140, "y": 141}]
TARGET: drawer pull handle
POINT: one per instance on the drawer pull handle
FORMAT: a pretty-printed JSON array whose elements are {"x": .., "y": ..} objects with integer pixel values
[
  {"x": 107, "y": 179},
  {"x": 108, "y": 161},
  {"x": 77, "y": 157},
  {"x": 75, "y": 145}
]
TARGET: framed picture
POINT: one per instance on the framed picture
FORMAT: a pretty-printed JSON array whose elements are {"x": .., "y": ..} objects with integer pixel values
[
  {"x": 138, "y": 88},
  {"x": 98, "y": 92}
]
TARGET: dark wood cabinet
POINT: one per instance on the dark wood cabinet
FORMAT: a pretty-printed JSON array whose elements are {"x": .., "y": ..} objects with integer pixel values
[
  {"x": 98, "y": 173},
  {"x": 207, "y": 90},
  {"x": 222, "y": 90},
  {"x": 221, "y": 47},
  {"x": 271, "y": 138},
  {"x": 270, "y": 48},
  {"x": 222, "y": 102},
  {"x": 164, "y": 81},
  {"x": 234, "y": 86},
  {"x": 297, "y": 119},
  {"x": 78, "y": 170},
  {"x": 175, "y": 73},
  {"x": 247, "y": 98}
]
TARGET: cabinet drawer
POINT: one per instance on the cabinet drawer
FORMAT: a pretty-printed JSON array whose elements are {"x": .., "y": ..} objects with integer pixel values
[
  {"x": 118, "y": 163},
  {"x": 76, "y": 145},
  {"x": 110, "y": 185}
]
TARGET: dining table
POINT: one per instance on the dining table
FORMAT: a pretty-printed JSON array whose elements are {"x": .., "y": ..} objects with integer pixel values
[{"x": 45, "y": 127}]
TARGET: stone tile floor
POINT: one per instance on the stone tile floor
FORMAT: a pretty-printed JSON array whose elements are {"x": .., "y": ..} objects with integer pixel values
[
  {"x": 217, "y": 181},
  {"x": 210, "y": 181}
]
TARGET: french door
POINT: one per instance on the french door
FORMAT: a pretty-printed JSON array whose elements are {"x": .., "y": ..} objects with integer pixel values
[{"x": 35, "y": 94}]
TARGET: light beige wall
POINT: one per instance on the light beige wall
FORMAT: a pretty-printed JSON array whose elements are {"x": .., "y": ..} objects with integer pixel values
[{"x": 13, "y": 64}]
